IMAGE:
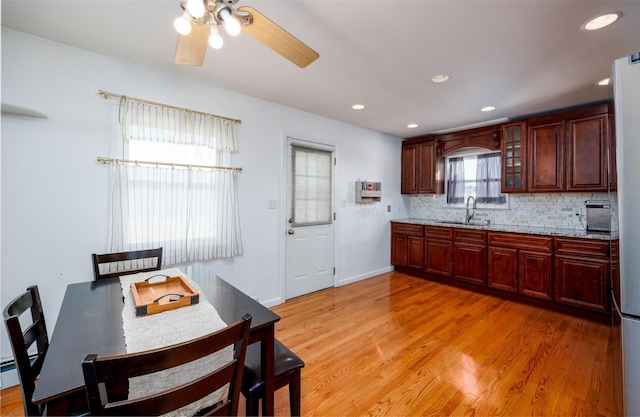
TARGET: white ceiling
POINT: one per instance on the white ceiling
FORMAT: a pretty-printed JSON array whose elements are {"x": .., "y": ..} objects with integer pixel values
[{"x": 522, "y": 56}]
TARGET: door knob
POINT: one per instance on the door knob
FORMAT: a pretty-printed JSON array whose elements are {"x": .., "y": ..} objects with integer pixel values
[{"x": 291, "y": 232}]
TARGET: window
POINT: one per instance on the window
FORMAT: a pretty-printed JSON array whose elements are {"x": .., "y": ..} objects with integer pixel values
[
  {"x": 311, "y": 186},
  {"x": 474, "y": 173},
  {"x": 182, "y": 202}
]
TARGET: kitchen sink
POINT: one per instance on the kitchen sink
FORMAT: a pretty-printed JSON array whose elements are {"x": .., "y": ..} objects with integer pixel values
[{"x": 451, "y": 222}]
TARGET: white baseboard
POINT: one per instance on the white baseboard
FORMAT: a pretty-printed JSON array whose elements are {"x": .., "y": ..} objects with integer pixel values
[{"x": 357, "y": 278}]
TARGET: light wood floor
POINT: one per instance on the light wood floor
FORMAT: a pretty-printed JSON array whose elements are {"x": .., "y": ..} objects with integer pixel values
[{"x": 402, "y": 346}]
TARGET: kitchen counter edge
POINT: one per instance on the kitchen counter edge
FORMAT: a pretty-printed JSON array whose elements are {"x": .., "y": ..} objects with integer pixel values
[{"x": 524, "y": 229}]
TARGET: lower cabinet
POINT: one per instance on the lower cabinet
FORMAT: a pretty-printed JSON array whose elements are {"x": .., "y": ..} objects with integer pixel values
[
  {"x": 503, "y": 269},
  {"x": 570, "y": 271},
  {"x": 535, "y": 274},
  {"x": 415, "y": 250},
  {"x": 407, "y": 245},
  {"x": 582, "y": 273},
  {"x": 470, "y": 256},
  {"x": 521, "y": 264},
  {"x": 438, "y": 251}
]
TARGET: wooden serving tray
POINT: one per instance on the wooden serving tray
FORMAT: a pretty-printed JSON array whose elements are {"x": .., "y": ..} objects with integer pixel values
[{"x": 172, "y": 293}]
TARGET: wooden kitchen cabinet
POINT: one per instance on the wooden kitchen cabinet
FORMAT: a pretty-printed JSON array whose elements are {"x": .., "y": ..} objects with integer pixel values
[
  {"x": 571, "y": 274},
  {"x": 422, "y": 168},
  {"x": 566, "y": 151},
  {"x": 438, "y": 251},
  {"x": 545, "y": 162},
  {"x": 484, "y": 137},
  {"x": 409, "y": 174},
  {"x": 582, "y": 273},
  {"x": 535, "y": 274},
  {"x": 587, "y": 153},
  {"x": 570, "y": 151},
  {"x": 407, "y": 245},
  {"x": 503, "y": 269},
  {"x": 470, "y": 255},
  {"x": 514, "y": 157},
  {"x": 521, "y": 264},
  {"x": 416, "y": 251}
]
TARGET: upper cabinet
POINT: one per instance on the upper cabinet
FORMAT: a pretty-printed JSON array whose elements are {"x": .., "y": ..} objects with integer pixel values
[
  {"x": 572, "y": 151},
  {"x": 513, "y": 157},
  {"x": 423, "y": 158},
  {"x": 545, "y": 160},
  {"x": 587, "y": 153},
  {"x": 569, "y": 151},
  {"x": 422, "y": 168}
]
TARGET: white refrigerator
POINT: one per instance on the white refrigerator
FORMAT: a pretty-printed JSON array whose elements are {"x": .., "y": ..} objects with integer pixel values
[{"x": 626, "y": 275}]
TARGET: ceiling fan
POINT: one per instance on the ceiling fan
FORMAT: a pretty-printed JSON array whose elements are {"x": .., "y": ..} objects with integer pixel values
[{"x": 198, "y": 26}]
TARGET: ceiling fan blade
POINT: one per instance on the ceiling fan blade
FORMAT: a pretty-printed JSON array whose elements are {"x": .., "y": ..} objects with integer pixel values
[
  {"x": 192, "y": 47},
  {"x": 278, "y": 39}
]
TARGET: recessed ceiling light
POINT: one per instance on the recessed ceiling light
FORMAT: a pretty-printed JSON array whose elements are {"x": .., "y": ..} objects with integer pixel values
[
  {"x": 488, "y": 108},
  {"x": 601, "y": 21},
  {"x": 440, "y": 78},
  {"x": 605, "y": 81},
  {"x": 357, "y": 106},
  {"x": 412, "y": 125}
]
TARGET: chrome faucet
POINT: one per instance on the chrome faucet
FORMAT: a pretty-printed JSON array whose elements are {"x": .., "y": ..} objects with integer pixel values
[{"x": 474, "y": 207}]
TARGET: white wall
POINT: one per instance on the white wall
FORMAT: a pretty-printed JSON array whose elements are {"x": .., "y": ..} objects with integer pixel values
[{"x": 54, "y": 193}]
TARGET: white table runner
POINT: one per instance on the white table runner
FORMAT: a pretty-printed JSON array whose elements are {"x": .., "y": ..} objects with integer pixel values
[{"x": 168, "y": 328}]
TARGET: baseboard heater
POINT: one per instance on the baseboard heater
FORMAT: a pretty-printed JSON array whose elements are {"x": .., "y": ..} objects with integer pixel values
[{"x": 9, "y": 373}]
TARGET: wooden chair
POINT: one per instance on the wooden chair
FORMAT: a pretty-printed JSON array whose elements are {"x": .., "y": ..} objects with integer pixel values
[
  {"x": 36, "y": 332},
  {"x": 134, "y": 257},
  {"x": 104, "y": 375},
  {"x": 287, "y": 366}
]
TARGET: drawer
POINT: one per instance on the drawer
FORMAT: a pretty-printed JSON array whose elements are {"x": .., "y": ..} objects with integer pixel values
[
  {"x": 406, "y": 229},
  {"x": 435, "y": 232},
  {"x": 582, "y": 247},
  {"x": 520, "y": 241},
  {"x": 470, "y": 236}
]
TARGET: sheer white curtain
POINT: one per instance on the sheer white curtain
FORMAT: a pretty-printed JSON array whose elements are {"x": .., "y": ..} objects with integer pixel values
[
  {"x": 456, "y": 182},
  {"x": 141, "y": 121},
  {"x": 191, "y": 212},
  {"x": 488, "y": 189}
]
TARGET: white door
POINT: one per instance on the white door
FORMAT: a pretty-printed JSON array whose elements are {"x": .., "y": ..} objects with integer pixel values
[{"x": 310, "y": 230}]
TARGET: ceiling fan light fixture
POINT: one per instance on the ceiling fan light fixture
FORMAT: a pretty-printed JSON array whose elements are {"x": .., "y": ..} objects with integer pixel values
[
  {"x": 215, "y": 40},
  {"x": 182, "y": 24},
  {"x": 196, "y": 8},
  {"x": 231, "y": 25}
]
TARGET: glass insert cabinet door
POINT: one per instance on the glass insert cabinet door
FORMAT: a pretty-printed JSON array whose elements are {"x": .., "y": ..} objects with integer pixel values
[{"x": 513, "y": 157}]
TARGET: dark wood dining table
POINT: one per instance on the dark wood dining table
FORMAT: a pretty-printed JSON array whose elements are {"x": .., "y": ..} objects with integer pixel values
[{"x": 90, "y": 321}]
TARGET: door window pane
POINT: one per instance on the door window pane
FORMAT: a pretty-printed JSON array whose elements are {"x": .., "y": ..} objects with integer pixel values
[{"x": 311, "y": 186}]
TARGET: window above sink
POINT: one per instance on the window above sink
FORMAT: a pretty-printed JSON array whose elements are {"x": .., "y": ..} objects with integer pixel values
[{"x": 474, "y": 172}]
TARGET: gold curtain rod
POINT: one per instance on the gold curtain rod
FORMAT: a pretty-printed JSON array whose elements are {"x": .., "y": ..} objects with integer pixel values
[
  {"x": 106, "y": 161},
  {"x": 107, "y": 94}
]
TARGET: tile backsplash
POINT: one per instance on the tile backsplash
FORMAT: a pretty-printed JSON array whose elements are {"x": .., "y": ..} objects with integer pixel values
[{"x": 553, "y": 210}]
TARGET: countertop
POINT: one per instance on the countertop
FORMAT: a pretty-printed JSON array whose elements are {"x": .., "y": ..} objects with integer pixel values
[{"x": 533, "y": 230}]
